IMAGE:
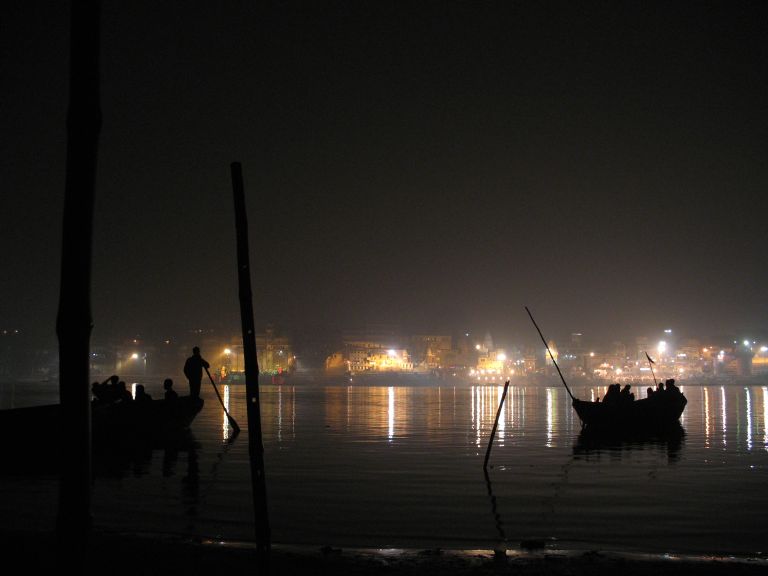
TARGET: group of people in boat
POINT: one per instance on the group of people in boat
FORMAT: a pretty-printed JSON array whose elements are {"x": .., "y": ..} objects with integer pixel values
[
  {"x": 616, "y": 394},
  {"x": 113, "y": 389}
]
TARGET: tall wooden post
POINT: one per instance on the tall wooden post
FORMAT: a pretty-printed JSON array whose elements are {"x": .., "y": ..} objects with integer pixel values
[
  {"x": 495, "y": 424},
  {"x": 255, "y": 443},
  {"x": 73, "y": 323}
]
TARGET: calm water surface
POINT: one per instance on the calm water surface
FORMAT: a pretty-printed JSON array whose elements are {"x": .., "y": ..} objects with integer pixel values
[{"x": 402, "y": 467}]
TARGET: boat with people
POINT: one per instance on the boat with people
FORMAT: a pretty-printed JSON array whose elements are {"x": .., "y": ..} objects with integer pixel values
[
  {"x": 116, "y": 423},
  {"x": 619, "y": 412}
]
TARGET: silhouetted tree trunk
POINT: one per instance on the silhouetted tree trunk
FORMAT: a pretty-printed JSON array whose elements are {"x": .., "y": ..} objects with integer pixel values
[
  {"x": 73, "y": 323},
  {"x": 255, "y": 443}
]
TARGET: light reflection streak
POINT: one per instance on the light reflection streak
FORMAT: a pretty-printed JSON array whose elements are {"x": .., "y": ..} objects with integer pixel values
[
  {"x": 683, "y": 416},
  {"x": 279, "y": 413},
  {"x": 502, "y": 418},
  {"x": 472, "y": 407},
  {"x": 722, "y": 402},
  {"x": 349, "y": 391},
  {"x": 706, "y": 417},
  {"x": 765, "y": 418},
  {"x": 749, "y": 419},
  {"x": 550, "y": 417},
  {"x": 225, "y": 423},
  {"x": 391, "y": 413},
  {"x": 439, "y": 408}
]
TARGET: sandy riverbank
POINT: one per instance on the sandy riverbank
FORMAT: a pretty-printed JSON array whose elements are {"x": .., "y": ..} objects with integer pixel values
[{"x": 117, "y": 554}]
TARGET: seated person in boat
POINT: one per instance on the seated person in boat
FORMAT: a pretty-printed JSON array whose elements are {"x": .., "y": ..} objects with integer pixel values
[
  {"x": 122, "y": 394},
  {"x": 170, "y": 393},
  {"x": 141, "y": 395},
  {"x": 613, "y": 394},
  {"x": 106, "y": 391},
  {"x": 672, "y": 389}
]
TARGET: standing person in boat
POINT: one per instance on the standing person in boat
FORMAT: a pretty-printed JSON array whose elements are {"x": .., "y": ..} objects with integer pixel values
[{"x": 193, "y": 370}]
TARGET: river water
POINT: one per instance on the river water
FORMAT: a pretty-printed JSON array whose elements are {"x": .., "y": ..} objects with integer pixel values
[{"x": 402, "y": 466}]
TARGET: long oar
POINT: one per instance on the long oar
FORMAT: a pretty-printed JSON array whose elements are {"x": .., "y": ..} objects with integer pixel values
[
  {"x": 229, "y": 416},
  {"x": 550, "y": 353}
]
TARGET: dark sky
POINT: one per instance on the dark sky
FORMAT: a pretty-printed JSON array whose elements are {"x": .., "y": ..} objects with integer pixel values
[{"x": 438, "y": 165}]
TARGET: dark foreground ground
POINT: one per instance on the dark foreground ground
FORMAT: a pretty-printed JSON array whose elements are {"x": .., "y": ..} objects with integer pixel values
[{"x": 151, "y": 554}]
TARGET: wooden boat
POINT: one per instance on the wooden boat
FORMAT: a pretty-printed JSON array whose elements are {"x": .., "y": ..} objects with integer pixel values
[
  {"x": 32, "y": 442},
  {"x": 132, "y": 421},
  {"x": 657, "y": 413},
  {"x": 620, "y": 412}
]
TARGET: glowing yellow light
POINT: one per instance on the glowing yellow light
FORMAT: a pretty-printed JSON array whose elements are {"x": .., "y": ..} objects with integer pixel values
[
  {"x": 134, "y": 356},
  {"x": 227, "y": 351},
  {"x": 501, "y": 357}
]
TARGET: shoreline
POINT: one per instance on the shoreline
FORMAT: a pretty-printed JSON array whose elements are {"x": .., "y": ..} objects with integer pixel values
[{"x": 150, "y": 553}]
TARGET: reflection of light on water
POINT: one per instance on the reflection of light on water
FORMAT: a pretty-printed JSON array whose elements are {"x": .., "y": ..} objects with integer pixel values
[
  {"x": 133, "y": 390},
  {"x": 472, "y": 407},
  {"x": 349, "y": 391},
  {"x": 550, "y": 417},
  {"x": 765, "y": 418},
  {"x": 592, "y": 393},
  {"x": 749, "y": 419},
  {"x": 722, "y": 401},
  {"x": 501, "y": 416},
  {"x": 683, "y": 416},
  {"x": 225, "y": 423},
  {"x": 279, "y": 413},
  {"x": 439, "y": 408},
  {"x": 706, "y": 417},
  {"x": 391, "y": 412}
]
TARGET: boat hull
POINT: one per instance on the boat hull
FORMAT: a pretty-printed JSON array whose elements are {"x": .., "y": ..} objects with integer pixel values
[
  {"x": 647, "y": 415},
  {"x": 33, "y": 434}
]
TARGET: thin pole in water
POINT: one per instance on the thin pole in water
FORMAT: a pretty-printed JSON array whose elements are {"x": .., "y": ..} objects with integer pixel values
[
  {"x": 495, "y": 424},
  {"x": 550, "y": 353}
]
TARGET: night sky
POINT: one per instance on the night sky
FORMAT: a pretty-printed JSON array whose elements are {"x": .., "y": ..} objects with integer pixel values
[{"x": 437, "y": 165}]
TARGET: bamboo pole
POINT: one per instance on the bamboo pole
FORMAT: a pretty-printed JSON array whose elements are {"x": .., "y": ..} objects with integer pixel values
[
  {"x": 73, "y": 321},
  {"x": 255, "y": 443},
  {"x": 550, "y": 354},
  {"x": 495, "y": 424}
]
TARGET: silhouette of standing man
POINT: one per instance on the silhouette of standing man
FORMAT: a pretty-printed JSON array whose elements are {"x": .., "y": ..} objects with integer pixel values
[{"x": 193, "y": 370}]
